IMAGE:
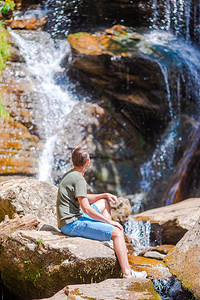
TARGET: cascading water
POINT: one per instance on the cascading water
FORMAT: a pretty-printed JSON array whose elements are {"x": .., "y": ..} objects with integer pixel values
[
  {"x": 184, "y": 60},
  {"x": 139, "y": 234},
  {"x": 182, "y": 17},
  {"x": 43, "y": 56}
]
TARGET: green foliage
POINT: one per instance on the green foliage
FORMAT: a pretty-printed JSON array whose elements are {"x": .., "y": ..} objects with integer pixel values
[
  {"x": 142, "y": 141},
  {"x": 3, "y": 112},
  {"x": 31, "y": 274},
  {"x": 7, "y": 6},
  {"x": 5, "y": 48},
  {"x": 39, "y": 241},
  {"x": 12, "y": 231}
]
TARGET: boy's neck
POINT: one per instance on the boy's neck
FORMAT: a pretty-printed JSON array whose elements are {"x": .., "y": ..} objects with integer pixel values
[{"x": 79, "y": 169}]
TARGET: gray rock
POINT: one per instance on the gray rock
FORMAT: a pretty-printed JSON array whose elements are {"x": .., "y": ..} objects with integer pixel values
[
  {"x": 110, "y": 289},
  {"x": 28, "y": 196},
  {"x": 184, "y": 260},
  {"x": 172, "y": 221},
  {"x": 121, "y": 210},
  {"x": 35, "y": 264},
  {"x": 154, "y": 255}
]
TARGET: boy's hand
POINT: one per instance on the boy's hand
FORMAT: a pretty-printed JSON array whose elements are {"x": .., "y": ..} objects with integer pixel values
[
  {"x": 116, "y": 224},
  {"x": 112, "y": 198}
]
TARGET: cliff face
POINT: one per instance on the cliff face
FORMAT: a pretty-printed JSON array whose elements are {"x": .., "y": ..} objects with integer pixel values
[{"x": 142, "y": 85}]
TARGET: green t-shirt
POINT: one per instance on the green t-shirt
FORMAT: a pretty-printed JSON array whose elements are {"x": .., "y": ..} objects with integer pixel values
[{"x": 71, "y": 186}]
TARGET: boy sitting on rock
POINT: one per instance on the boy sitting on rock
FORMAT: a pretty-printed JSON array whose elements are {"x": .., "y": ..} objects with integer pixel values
[{"x": 88, "y": 215}]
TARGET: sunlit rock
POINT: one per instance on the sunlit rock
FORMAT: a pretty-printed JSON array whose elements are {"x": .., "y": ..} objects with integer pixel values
[
  {"x": 110, "y": 289},
  {"x": 37, "y": 264},
  {"x": 173, "y": 221},
  {"x": 28, "y": 24},
  {"x": 183, "y": 260},
  {"x": 19, "y": 149},
  {"x": 163, "y": 249},
  {"x": 154, "y": 255},
  {"x": 28, "y": 196},
  {"x": 121, "y": 210},
  {"x": 153, "y": 267},
  {"x": 8, "y": 226}
]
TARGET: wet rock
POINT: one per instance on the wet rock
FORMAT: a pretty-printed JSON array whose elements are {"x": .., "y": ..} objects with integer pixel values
[
  {"x": 163, "y": 249},
  {"x": 181, "y": 180},
  {"x": 173, "y": 221},
  {"x": 121, "y": 210},
  {"x": 183, "y": 260},
  {"x": 41, "y": 263},
  {"x": 110, "y": 289},
  {"x": 118, "y": 62},
  {"x": 111, "y": 141},
  {"x": 28, "y": 196},
  {"x": 28, "y": 24}
]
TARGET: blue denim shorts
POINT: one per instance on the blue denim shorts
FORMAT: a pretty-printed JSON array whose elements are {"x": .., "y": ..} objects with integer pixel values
[{"x": 89, "y": 228}]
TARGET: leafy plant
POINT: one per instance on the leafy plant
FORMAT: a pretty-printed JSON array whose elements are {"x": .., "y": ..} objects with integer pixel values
[
  {"x": 3, "y": 112},
  {"x": 5, "y": 48},
  {"x": 8, "y": 5},
  {"x": 39, "y": 241}
]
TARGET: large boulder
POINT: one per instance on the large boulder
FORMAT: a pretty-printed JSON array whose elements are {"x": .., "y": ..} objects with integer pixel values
[
  {"x": 28, "y": 196},
  {"x": 35, "y": 264},
  {"x": 183, "y": 260},
  {"x": 121, "y": 210},
  {"x": 120, "y": 63},
  {"x": 173, "y": 221},
  {"x": 110, "y": 289},
  {"x": 113, "y": 143}
]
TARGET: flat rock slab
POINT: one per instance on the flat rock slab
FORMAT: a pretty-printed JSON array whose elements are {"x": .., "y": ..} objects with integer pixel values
[
  {"x": 111, "y": 289},
  {"x": 35, "y": 264},
  {"x": 184, "y": 260},
  {"x": 173, "y": 221}
]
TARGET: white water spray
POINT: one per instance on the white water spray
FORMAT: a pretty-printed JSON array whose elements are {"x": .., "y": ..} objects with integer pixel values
[
  {"x": 139, "y": 234},
  {"x": 43, "y": 56}
]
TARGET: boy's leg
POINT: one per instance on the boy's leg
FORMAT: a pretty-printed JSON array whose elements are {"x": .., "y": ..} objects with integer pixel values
[
  {"x": 117, "y": 237},
  {"x": 121, "y": 250},
  {"x": 104, "y": 207}
]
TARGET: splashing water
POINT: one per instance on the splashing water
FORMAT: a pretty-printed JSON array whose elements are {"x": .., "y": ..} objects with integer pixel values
[
  {"x": 177, "y": 16},
  {"x": 139, "y": 234}
]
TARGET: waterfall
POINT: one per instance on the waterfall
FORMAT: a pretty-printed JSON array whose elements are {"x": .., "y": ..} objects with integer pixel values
[
  {"x": 182, "y": 17},
  {"x": 43, "y": 55},
  {"x": 139, "y": 234},
  {"x": 185, "y": 57}
]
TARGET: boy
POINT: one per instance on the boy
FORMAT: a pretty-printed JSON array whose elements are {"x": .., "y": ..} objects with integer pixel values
[{"x": 88, "y": 215}]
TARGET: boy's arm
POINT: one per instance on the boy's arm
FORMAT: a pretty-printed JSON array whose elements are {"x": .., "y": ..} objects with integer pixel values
[{"x": 95, "y": 197}]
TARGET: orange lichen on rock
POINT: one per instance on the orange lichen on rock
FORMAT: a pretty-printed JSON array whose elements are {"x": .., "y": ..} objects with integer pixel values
[
  {"x": 18, "y": 148},
  {"x": 112, "y": 41},
  {"x": 28, "y": 24},
  {"x": 153, "y": 267},
  {"x": 85, "y": 43}
]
